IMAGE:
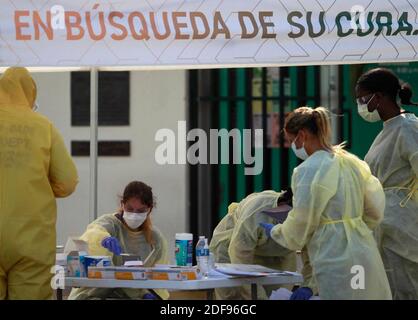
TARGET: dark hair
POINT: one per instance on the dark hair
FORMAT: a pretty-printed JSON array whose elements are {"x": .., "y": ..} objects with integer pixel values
[
  {"x": 141, "y": 191},
  {"x": 285, "y": 197},
  {"x": 385, "y": 81}
]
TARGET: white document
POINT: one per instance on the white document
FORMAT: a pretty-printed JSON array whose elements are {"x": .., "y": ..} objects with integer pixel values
[
  {"x": 213, "y": 274},
  {"x": 133, "y": 264},
  {"x": 249, "y": 270}
]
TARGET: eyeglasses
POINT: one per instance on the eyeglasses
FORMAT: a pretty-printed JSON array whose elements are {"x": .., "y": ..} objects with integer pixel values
[{"x": 139, "y": 211}]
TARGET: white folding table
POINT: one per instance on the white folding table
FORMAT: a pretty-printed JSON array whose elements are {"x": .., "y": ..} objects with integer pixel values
[{"x": 208, "y": 284}]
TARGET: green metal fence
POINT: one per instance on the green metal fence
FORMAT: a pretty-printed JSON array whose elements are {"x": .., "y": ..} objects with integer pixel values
[{"x": 260, "y": 98}]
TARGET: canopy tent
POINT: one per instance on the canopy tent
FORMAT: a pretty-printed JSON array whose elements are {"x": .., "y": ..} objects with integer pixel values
[{"x": 106, "y": 35}]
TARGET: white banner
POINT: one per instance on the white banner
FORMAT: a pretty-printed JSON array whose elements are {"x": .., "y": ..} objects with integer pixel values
[{"x": 205, "y": 33}]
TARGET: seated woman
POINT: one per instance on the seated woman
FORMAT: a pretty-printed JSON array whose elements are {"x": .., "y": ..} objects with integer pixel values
[{"x": 127, "y": 231}]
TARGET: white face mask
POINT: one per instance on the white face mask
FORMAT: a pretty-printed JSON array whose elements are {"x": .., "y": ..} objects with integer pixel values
[
  {"x": 364, "y": 112},
  {"x": 300, "y": 153},
  {"x": 134, "y": 220}
]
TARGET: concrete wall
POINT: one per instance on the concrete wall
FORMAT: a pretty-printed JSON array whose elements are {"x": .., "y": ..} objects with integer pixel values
[{"x": 158, "y": 100}]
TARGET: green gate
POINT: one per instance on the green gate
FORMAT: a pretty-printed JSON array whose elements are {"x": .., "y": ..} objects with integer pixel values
[{"x": 260, "y": 98}]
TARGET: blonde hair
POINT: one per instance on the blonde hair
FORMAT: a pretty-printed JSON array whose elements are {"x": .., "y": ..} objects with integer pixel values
[{"x": 316, "y": 121}]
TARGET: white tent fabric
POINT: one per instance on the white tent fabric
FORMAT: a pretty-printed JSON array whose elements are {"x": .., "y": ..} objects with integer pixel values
[
  {"x": 205, "y": 33},
  {"x": 58, "y": 35}
]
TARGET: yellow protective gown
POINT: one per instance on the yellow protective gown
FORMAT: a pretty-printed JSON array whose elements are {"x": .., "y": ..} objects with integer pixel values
[
  {"x": 238, "y": 238},
  {"x": 336, "y": 204},
  {"x": 393, "y": 158},
  {"x": 35, "y": 168},
  {"x": 131, "y": 242}
]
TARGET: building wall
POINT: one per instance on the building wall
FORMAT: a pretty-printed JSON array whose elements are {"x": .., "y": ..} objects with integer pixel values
[{"x": 158, "y": 100}]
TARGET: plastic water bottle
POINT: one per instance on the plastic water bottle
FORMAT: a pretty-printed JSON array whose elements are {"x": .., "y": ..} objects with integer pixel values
[{"x": 202, "y": 255}]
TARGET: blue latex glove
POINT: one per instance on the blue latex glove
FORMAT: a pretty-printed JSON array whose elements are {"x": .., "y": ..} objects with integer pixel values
[
  {"x": 303, "y": 293},
  {"x": 149, "y": 296},
  {"x": 267, "y": 228},
  {"x": 112, "y": 244}
]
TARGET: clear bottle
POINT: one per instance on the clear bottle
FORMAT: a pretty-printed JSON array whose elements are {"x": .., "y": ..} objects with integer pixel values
[
  {"x": 207, "y": 256},
  {"x": 202, "y": 255}
]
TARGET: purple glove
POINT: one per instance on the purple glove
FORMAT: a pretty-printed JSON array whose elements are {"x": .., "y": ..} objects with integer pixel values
[
  {"x": 112, "y": 244},
  {"x": 267, "y": 228},
  {"x": 303, "y": 293},
  {"x": 149, "y": 296}
]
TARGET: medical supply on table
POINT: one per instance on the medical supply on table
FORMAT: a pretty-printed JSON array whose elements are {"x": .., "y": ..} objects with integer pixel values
[
  {"x": 76, "y": 251},
  {"x": 75, "y": 266},
  {"x": 161, "y": 272},
  {"x": 173, "y": 273},
  {"x": 101, "y": 272},
  {"x": 133, "y": 264},
  {"x": 184, "y": 249},
  {"x": 129, "y": 273},
  {"x": 130, "y": 257},
  {"x": 96, "y": 261},
  {"x": 202, "y": 255}
]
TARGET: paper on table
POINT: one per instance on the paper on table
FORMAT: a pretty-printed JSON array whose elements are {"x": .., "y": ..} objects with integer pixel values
[
  {"x": 134, "y": 263},
  {"x": 218, "y": 275},
  {"x": 285, "y": 294},
  {"x": 279, "y": 213},
  {"x": 246, "y": 270},
  {"x": 131, "y": 259}
]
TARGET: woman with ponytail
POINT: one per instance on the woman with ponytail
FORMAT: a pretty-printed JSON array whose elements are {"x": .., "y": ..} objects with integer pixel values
[
  {"x": 336, "y": 204},
  {"x": 393, "y": 158}
]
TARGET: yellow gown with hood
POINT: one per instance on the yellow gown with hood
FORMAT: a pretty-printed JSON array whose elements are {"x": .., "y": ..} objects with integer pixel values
[{"x": 35, "y": 168}]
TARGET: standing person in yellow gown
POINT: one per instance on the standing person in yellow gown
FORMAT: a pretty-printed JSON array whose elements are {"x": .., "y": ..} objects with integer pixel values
[
  {"x": 336, "y": 204},
  {"x": 393, "y": 158},
  {"x": 35, "y": 168}
]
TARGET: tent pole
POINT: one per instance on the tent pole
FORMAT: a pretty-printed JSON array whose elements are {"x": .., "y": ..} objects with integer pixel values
[
  {"x": 330, "y": 98},
  {"x": 335, "y": 104},
  {"x": 94, "y": 104}
]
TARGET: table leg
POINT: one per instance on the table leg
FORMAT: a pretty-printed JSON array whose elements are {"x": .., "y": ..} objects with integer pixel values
[
  {"x": 254, "y": 294},
  {"x": 59, "y": 294},
  {"x": 210, "y": 293}
]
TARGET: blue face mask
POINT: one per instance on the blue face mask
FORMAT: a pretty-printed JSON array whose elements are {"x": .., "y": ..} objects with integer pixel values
[{"x": 300, "y": 153}]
